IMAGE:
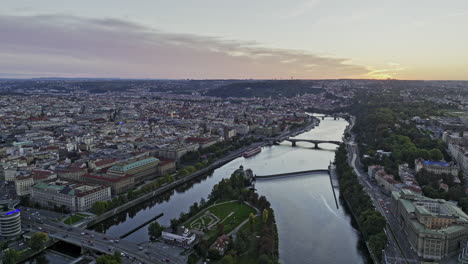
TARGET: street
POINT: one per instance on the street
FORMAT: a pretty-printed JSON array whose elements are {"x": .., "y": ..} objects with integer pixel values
[{"x": 398, "y": 248}]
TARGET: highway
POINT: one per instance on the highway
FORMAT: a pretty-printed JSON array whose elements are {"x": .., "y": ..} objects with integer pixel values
[
  {"x": 132, "y": 252},
  {"x": 398, "y": 249}
]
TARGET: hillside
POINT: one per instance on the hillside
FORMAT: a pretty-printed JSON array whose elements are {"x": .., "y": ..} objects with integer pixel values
[{"x": 287, "y": 88}]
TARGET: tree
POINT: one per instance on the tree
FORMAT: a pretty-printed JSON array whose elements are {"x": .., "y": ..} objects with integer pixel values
[
  {"x": 11, "y": 256},
  {"x": 228, "y": 259},
  {"x": 377, "y": 243},
  {"x": 108, "y": 259},
  {"x": 436, "y": 154},
  {"x": 251, "y": 221},
  {"x": 265, "y": 215},
  {"x": 174, "y": 224},
  {"x": 3, "y": 245},
  {"x": 38, "y": 240},
  {"x": 99, "y": 207},
  {"x": 220, "y": 229},
  {"x": 118, "y": 256},
  {"x": 155, "y": 229},
  {"x": 264, "y": 259}
]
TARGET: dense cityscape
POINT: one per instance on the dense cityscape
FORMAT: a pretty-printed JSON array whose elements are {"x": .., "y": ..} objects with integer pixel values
[
  {"x": 233, "y": 132},
  {"x": 73, "y": 157}
]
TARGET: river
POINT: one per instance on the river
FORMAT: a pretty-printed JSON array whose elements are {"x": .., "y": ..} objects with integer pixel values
[{"x": 311, "y": 229}]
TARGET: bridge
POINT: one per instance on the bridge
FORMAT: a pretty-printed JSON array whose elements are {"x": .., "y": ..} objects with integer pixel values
[
  {"x": 335, "y": 116},
  {"x": 89, "y": 240},
  {"x": 314, "y": 141},
  {"x": 290, "y": 174}
]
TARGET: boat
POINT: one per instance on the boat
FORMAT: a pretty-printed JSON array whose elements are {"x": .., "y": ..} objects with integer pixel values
[{"x": 251, "y": 152}]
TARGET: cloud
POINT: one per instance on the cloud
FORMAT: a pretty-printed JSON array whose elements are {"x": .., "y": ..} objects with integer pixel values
[
  {"x": 301, "y": 9},
  {"x": 71, "y": 46}
]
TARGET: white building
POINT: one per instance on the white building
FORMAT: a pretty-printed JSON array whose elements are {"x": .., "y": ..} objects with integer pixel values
[
  {"x": 23, "y": 185},
  {"x": 185, "y": 240}
]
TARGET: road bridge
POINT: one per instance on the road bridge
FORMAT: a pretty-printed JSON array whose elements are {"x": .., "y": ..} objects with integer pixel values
[
  {"x": 89, "y": 240},
  {"x": 314, "y": 141}
]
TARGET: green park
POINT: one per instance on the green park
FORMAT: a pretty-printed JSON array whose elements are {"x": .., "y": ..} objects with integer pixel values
[{"x": 229, "y": 215}]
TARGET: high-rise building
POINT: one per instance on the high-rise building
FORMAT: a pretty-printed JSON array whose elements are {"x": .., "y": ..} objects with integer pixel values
[{"x": 10, "y": 223}]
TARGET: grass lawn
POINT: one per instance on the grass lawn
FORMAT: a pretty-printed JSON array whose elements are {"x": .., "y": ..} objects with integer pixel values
[
  {"x": 82, "y": 215},
  {"x": 73, "y": 219},
  {"x": 240, "y": 212}
]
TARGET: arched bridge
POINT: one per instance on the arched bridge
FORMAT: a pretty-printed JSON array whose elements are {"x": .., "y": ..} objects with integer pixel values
[{"x": 314, "y": 141}]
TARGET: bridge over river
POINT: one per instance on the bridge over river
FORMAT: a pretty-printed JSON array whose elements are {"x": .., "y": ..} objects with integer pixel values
[
  {"x": 330, "y": 171},
  {"x": 89, "y": 240},
  {"x": 314, "y": 141},
  {"x": 291, "y": 174}
]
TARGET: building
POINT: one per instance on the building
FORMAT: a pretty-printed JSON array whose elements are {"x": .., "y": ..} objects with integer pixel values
[
  {"x": 118, "y": 184},
  {"x": 386, "y": 180},
  {"x": 139, "y": 169},
  {"x": 23, "y": 185},
  {"x": 373, "y": 169},
  {"x": 176, "y": 152},
  {"x": 463, "y": 257},
  {"x": 73, "y": 196},
  {"x": 460, "y": 154},
  {"x": 202, "y": 142},
  {"x": 10, "y": 223},
  {"x": 436, "y": 167},
  {"x": 221, "y": 244},
  {"x": 435, "y": 228},
  {"x": 72, "y": 173},
  {"x": 43, "y": 175},
  {"x": 185, "y": 240},
  {"x": 166, "y": 167}
]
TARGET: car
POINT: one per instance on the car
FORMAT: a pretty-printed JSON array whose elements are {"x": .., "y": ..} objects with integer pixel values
[
  {"x": 82, "y": 233},
  {"x": 112, "y": 241},
  {"x": 140, "y": 248},
  {"x": 69, "y": 229},
  {"x": 122, "y": 254},
  {"x": 92, "y": 235},
  {"x": 40, "y": 228},
  {"x": 386, "y": 211},
  {"x": 105, "y": 238}
]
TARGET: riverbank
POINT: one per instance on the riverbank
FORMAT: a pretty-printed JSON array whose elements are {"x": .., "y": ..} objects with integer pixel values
[
  {"x": 304, "y": 206},
  {"x": 216, "y": 221},
  {"x": 371, "y": 223},
  {"x": 170, "y": 186}
]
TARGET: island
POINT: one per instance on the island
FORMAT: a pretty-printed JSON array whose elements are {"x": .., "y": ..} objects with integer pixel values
[{"x": 234, "y": 225}]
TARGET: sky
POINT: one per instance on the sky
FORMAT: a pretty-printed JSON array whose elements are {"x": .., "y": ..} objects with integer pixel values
[{"x": 242, "y": 39}]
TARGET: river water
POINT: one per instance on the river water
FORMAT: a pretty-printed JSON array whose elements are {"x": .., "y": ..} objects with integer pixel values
[{"x": 311, "y": 229}]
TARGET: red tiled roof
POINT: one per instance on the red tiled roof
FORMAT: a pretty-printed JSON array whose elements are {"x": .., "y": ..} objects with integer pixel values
[{"x": 104, "y": 162}]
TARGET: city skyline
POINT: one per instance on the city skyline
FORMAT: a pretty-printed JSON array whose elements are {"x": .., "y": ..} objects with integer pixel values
[{"x": 213, "y": 40}]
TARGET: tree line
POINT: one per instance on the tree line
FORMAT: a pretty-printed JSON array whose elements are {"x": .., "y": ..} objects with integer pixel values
[
  {"x": 260, "y": 240},
  {"x": 371, "y": 222}
]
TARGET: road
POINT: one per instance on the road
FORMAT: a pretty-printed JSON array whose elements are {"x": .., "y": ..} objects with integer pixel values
[
  {"x": 398, "y": 249},
  {"x": 132, "y": 252}
]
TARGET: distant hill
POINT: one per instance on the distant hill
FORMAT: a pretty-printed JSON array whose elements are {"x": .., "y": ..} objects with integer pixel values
[{"x": 284, "y": 88}]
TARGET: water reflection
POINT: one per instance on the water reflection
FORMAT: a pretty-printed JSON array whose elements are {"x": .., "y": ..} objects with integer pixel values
[{"x": 311, "y": 229}]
